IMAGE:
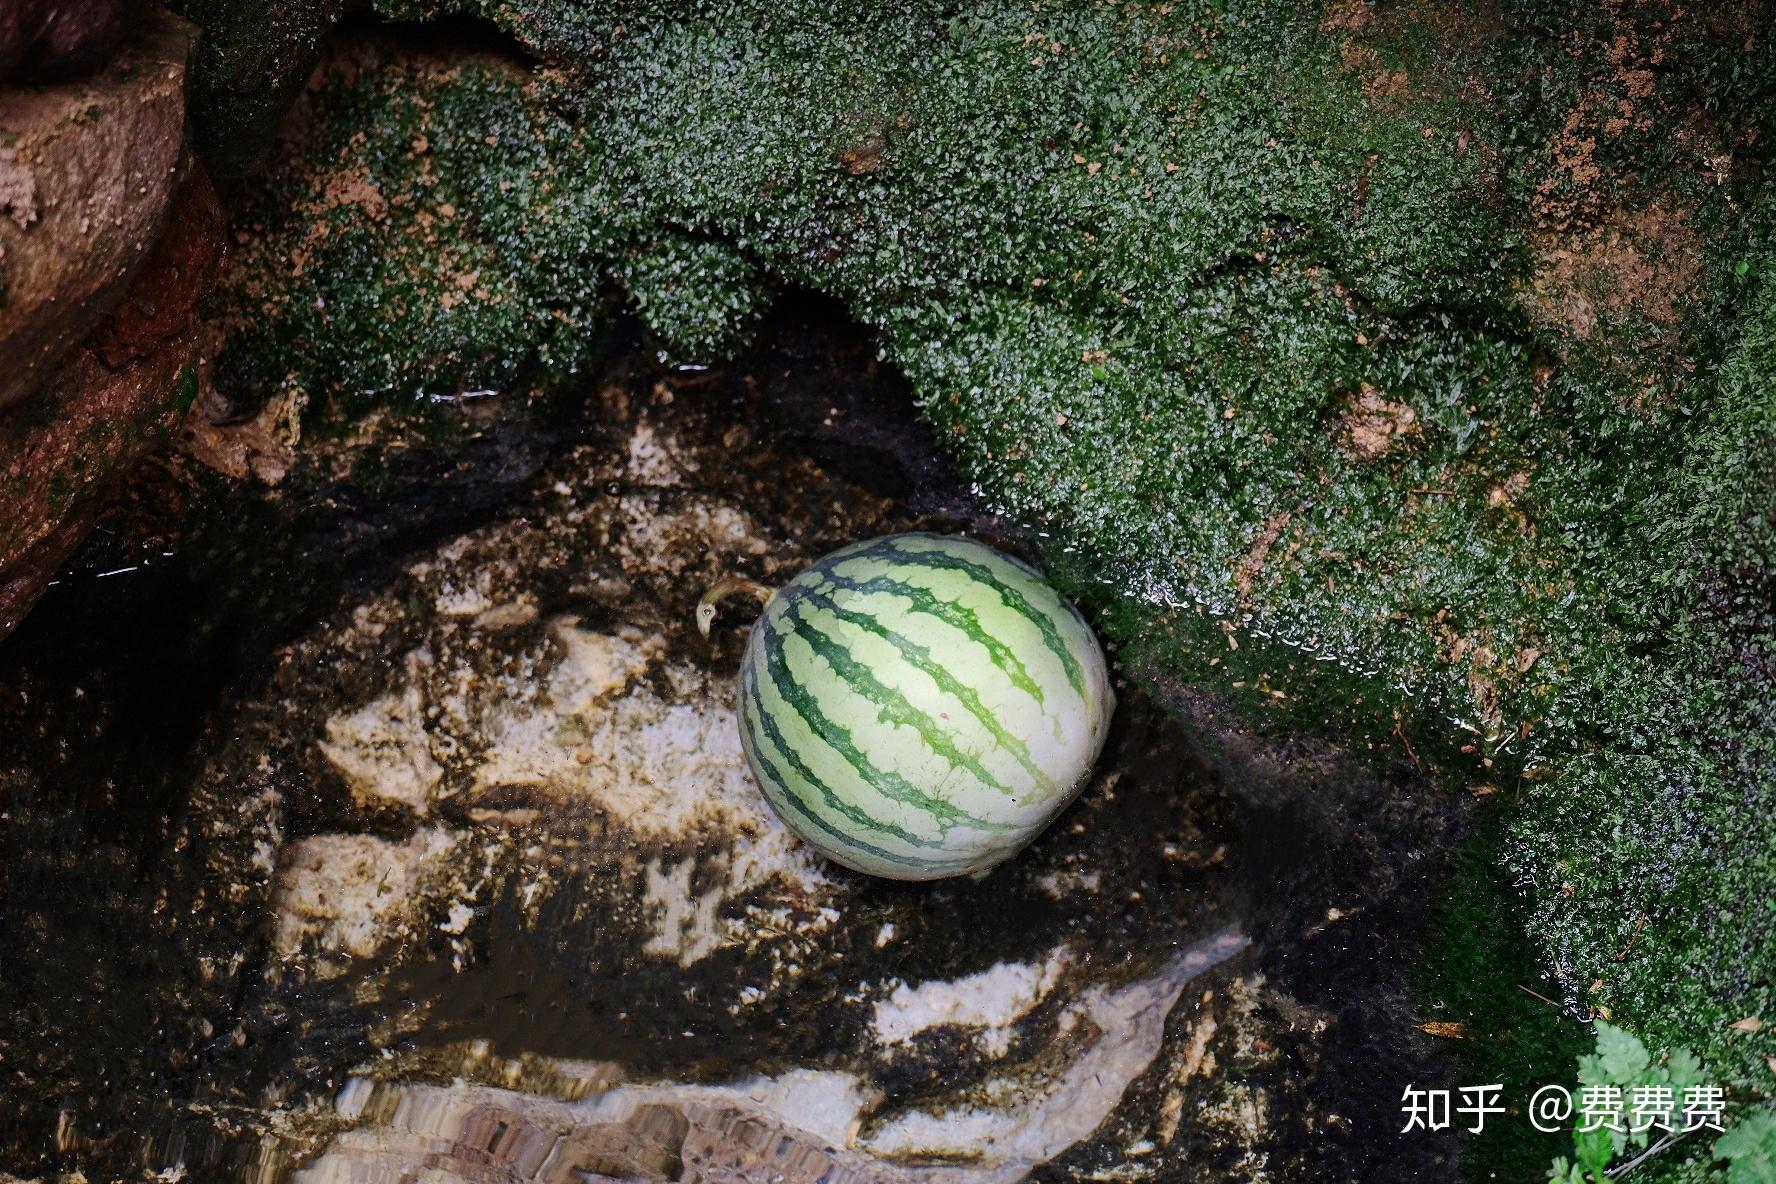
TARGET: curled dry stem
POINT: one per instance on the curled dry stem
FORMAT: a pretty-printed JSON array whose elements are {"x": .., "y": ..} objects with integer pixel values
[{"x": 721, "y": 590}]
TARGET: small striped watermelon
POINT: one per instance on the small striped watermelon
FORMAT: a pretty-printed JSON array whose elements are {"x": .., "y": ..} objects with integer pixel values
[{"x": 920, "y": 706}]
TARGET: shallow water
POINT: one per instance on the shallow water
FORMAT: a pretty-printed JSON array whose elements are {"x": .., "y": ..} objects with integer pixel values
[{"x": 395, "y": 797}]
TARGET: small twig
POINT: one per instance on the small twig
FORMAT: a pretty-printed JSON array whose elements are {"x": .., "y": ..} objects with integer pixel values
[
  {"x": 1633, "y": 938},
  {"x": 1539, "y": 995},
  {"x": 1401, "y": 733},
  {"x": 1667, "y": 1141}
]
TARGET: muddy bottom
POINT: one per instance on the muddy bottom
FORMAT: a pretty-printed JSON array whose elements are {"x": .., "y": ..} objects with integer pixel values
[{"x": 393, "y": 825}]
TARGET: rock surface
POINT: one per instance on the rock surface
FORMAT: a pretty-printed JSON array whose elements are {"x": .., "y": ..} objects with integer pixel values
[
  {"x": 255, "y": 55},
  {"x": 798, "y": 1127},
  {"x": 41, "y": 39},
  {"x": 87, "y": 173},
  {"x": 110, "y": 399},
  {"x": 538, "y": 787}
]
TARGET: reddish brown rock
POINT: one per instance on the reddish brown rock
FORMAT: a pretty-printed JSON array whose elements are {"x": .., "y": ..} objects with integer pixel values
[
  {"x": 87, "y": 169},
  {"x": 51, "y": 38},
  {"x": 115, "y": 395},
  {"x": 24, "y": 580}
]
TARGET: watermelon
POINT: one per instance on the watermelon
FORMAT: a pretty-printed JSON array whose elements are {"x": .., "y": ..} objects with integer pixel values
[{"x": 921, "y": 705}]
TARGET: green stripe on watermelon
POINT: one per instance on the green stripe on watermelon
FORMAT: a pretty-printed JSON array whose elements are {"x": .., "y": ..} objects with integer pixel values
[
  {"x": 945, "y": 558},
  {"x": 840, "y": 739},
  {"x": 920, "y": 659},
  {"x": 957, "y": 616},
  {"x": 893, "y": 707},
  {"x": 757, "y": 720}
]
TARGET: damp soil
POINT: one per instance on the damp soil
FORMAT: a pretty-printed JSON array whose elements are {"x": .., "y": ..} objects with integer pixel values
[{"x": 144, "y": 1016}]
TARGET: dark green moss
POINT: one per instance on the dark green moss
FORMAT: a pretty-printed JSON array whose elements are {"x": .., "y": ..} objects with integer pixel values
[
  {"x": 1656, "y": 851},
  {"x": 1481, "y": 975},
  {"x": 701, "y": 297},
  {"x": 1421, "y": 357},
  {"x": 436, "y": 241}
]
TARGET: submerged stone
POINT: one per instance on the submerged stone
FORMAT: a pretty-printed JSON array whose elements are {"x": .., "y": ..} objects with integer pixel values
[{"x": 478, "y": 845}]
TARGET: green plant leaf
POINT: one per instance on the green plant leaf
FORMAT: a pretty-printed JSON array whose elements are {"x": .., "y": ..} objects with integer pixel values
[
  {"x": 1564, "y": 1172},
  {"x": 1684, "y": 1069},
  {"x": 1749, "y": 1147},
  {"x": 1623, "y": 1058},
  {"x": 1594, "y": 1149}
]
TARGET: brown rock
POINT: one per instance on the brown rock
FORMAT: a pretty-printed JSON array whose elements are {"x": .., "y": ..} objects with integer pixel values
[
  {"x": 164, "y": 297},
  {"x": 51, "y": 38},
  {"x": 24, "y": 580},
  {"x": 86, "y": 172},
  {"x": 1642, "y": 263},
  {"x": 263, "y": 447},
  {"x": 115, "y": 395}
]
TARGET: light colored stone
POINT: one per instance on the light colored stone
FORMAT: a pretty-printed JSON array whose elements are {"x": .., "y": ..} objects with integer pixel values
[
  {"x": 345, "y": 894},
  {"x": 1020, "y": 1124},
  {"x": 992, "y": 1000},
  {"x": 800, "y": 1126},
  {"x": 383, "y": 752}
]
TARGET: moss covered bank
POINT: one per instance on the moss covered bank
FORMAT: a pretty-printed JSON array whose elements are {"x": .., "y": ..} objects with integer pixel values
[{"x": 1406, "y": 371}]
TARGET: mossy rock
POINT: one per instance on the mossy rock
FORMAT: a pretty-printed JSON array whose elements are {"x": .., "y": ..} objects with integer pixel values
[{"x": 1401, "y": 371}]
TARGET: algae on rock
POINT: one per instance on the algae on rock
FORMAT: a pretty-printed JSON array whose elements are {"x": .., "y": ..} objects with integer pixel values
[{"x": 1361, "y": 363}]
